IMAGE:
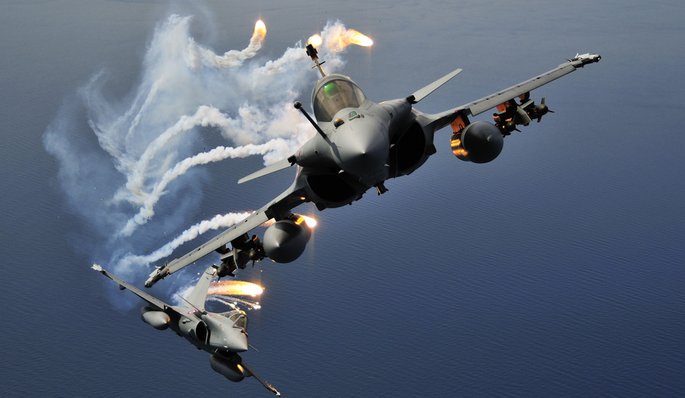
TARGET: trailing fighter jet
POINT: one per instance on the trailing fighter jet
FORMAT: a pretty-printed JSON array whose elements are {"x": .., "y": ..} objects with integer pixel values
[
  {"x": 359, "y": 145},
  {"x": 223, "y": 335}
]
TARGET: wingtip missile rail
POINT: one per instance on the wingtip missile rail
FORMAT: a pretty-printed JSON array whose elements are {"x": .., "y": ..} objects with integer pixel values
[{"x": 583, "y": 59}]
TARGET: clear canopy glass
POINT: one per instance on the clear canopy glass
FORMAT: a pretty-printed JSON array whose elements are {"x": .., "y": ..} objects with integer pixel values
[{"x": 335, "y": 95}]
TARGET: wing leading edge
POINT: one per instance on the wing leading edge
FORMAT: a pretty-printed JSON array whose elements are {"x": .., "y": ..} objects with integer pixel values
[
  {"x": 283, "y": 203},
  {"x": 252, "y": 221},
  {"x": 125, "y": 285}
]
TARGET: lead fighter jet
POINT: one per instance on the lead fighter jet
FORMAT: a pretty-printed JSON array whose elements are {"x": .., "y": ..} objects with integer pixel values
[{"x": 359, "y": 145}]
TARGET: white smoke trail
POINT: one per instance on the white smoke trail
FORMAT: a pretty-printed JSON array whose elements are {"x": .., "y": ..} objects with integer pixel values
[
  {"x": 116, "y": 169},
  {"x": 250, "y": 124},
  {"x": 218, "y": 221},
  {"x": 231, "y": 58},
  {"x": 215, "y": 155},
  {"x": 133, "y": 191},
  {"x": 232, "y": 301}
]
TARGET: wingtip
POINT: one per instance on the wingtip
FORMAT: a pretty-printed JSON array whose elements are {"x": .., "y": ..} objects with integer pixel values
[
  {"x": 586, "y": 58},
  {"x": 97, "y": 267}
]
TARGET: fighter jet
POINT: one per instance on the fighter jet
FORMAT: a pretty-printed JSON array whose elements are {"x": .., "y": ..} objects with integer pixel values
[
  {"x": 223, "y": 335},
  {"x": 359, "y": 145}
]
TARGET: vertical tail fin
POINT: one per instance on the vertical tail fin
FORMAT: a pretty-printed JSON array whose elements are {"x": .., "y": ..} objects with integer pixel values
[
  {"x": 423, "y": 93},
  {"x": 198, "y": 295}
]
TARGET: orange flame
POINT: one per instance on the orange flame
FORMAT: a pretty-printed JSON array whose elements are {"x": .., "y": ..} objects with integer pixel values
[
  {"x": 310, "y": 221},
  {"x": 339, "y": 38},
  {"x": 235, "y": 288},
  {"x": 358, "y": 38}
]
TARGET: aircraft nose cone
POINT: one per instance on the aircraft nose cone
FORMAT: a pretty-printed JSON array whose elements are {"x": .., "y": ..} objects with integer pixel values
[
  {"x": 363, "y": 153},
  {"x": 239, "y": 343}
]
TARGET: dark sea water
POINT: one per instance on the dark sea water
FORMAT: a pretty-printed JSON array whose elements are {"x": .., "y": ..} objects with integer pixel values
[{"x": 556, "y": 270}]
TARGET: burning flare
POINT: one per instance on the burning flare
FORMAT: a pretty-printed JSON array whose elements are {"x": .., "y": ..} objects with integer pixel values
[
  {"x": 259, "y": 31},
  {"x": 310, "y": 221},
  {"x": 354, "y": 37},
  {"x": 337, "y": 38},
  {"x": 235, "y": 288},
  {"x": 340, "y": 40},
  {"x": 315, "y": 40}
]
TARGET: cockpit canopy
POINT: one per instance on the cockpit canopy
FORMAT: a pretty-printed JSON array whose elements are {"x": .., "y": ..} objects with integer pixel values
[
  {"x": 239, "y": 318},
  {"x": 333, "y": 94}
]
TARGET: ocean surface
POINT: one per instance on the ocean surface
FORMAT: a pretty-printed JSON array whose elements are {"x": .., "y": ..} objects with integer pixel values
[{"x": 556, "y": 270}]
